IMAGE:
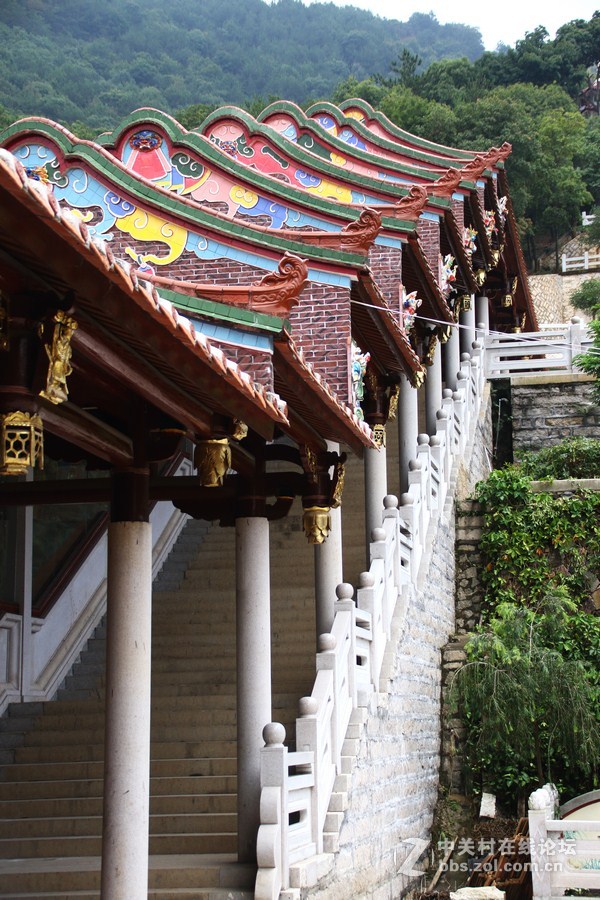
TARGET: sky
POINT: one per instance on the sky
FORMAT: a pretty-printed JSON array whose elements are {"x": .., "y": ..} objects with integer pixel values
[{"x": 504, "y": 22}]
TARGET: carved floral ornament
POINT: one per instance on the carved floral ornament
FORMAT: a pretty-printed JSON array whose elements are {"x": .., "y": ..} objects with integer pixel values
[{"x": 22, "y": 443}]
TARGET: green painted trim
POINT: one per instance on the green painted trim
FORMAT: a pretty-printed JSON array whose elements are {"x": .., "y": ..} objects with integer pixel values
[
  {"x": 206, "y": 150},
  {"x": 343, "y": 121},
  {"x": 233, "y": 315},
  {"x": 304, "y": 122},
  {"x": 309, "y": 160},
  {"x": 113, "y": 171},
  {"x": 400, "y": 132}
]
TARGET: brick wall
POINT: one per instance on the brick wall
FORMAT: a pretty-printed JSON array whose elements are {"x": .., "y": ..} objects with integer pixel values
[
  {"x": 458, "y": 208},
  {"x": 322, "y": 313},
  {"x": 386, "y": 264},
  {"x": 429, "y": 233}
]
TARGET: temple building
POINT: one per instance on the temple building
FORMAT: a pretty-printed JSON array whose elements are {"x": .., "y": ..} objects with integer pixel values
[{"x": 240, "y": 385}]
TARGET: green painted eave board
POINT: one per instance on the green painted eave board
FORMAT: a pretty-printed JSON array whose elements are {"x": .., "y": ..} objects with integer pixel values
[{"x": 233, "y": 315}]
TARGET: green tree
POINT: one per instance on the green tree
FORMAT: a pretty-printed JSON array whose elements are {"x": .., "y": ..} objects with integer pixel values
[
  {"x": 587, "y": 297},
  {"x": 530, "y": 700}
]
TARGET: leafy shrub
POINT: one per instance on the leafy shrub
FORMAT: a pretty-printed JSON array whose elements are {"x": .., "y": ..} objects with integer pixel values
[{"x": 576, "y": 457}]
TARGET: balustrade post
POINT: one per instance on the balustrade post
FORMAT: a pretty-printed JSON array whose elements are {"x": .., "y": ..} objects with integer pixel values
[
  {"x": 465, "y": 369},
  {"x": 390, "y": 511},
  {"x": 476, "y": 365},
  {"x": 345, "y": 603},
  {"x": 574, "y": 339},
  {"x": 540, "y": 810},
  {"x": 307, "y": 738},
  {"x": 423, "y": 454},
  {"x": 272, "y": 855},
  {"x": 416, "y": 480},
  {"x": 409, "y": 514}
]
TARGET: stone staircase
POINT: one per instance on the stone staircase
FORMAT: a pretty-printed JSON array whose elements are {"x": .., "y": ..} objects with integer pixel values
[{"x": 51, "y": 754}]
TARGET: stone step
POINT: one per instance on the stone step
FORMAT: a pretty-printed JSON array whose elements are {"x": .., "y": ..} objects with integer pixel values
[
  {"x": 62, "y": 769},
  {"x": 197, "y": 875},
  {"x": 167, "y": 804},
  {"x": 198, "y": 786},
  {"x": 91, "y": 752},
  {"x": 71, "y": 826},
  {"x": 31, "y": 848},
  {"x": 51, "y": 737}
]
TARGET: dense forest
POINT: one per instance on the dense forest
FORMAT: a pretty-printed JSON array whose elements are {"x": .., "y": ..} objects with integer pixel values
[
  {"x": 87, "y": 65},
  {"x": 95, "y": 62}
]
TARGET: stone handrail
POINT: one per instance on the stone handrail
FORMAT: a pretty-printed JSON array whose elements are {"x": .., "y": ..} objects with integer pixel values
[
  {"x": 565, "y": 853},
  {"x": 548, "y": 352},
  {"x": 350, "y": 660}
]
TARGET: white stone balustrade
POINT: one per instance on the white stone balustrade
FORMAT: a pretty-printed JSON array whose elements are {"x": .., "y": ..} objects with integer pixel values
[{"x": 350, "y": 662}]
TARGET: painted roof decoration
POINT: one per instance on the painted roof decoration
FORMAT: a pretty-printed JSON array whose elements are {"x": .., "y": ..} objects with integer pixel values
[
  {"x": 252, "y": 215},
  {"x": 36, "y": 195},
  {"x": 274, "y": 294}
]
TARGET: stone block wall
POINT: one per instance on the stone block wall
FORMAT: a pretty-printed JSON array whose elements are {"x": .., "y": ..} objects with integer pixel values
[
  {"x": 552, "y": 296},
  {"x": 548, "y": 409},
  {"x": 469, "y": 595}
]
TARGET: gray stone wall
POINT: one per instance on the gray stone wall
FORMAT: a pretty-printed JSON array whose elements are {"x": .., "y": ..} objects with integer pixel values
[
  {"x": 552, "y": 295},
  {"x": 394, "y": 784},
  {"x": 547, "y": 409},
  {"x": 469, "y": 595}
]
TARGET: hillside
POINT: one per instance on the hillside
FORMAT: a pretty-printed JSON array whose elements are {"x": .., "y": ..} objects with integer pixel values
[{"x": 81, "y": 60}]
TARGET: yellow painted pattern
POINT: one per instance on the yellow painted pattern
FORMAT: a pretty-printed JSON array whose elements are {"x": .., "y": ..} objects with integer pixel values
[
  {"x": 243, "y": 197},
  {"x": 145, "y": 226},
  {"x": 332, "y": 190},
  {"x": 338, "y": 160}
]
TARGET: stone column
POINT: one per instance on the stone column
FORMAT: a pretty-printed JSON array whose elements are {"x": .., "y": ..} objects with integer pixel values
[
  {"x": 375, "y": 462},
  {"x": 127, "y": 736},
  {"x": 408, "y": 428},
  {"x": 328, "y": 558},
  {"x": 482, "y": 316},
  {"x": 433, "y": 391},
  {"x": 23, "y": 585},
  {"x": 467, "y": 331},
  {"x": 328, "y": 573},
  {"x": 451, "y": 358},
  {"x": 253, "y": 628}
]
